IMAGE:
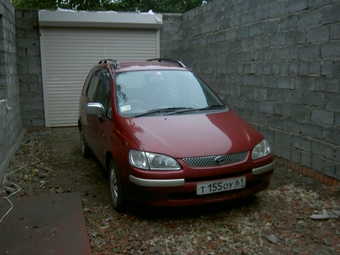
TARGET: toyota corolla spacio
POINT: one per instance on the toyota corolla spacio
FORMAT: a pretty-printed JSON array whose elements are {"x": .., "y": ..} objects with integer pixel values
[{"x": 166, "y": 138}]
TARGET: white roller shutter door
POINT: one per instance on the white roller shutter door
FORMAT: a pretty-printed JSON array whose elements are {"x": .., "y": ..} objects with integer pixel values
[{"x": 69, "y": 53}]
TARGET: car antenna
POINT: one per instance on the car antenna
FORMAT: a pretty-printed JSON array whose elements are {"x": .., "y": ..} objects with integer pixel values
[{"x": 107, "y": 62}]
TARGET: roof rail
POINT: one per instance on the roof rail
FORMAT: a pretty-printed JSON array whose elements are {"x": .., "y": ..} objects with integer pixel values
[
  {"x": 115, "y": 63},
  {"x": 168, "y": 60}
]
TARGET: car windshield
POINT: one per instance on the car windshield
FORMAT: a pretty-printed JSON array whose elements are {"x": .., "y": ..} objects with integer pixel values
[{"x": 141, "y": 93}]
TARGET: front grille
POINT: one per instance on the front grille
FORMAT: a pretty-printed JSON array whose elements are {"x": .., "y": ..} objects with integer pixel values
[{"x": 219, "y": 160}]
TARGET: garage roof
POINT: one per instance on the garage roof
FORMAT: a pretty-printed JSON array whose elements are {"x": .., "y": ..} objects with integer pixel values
[{"x": 68, "y": 18}]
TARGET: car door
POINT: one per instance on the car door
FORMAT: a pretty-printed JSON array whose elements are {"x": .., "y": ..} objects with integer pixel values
[{"x": 99, "y": 126}]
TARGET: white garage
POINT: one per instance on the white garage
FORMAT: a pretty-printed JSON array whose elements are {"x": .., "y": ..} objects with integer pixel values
[{"x": 72, "y": 42}]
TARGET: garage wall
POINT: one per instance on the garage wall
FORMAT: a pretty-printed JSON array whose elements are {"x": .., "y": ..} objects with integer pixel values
[{"x": 11, "y": 131}]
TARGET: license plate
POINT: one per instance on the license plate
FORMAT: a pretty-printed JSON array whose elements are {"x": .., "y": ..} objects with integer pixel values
[{"x": 220, "y": 185}]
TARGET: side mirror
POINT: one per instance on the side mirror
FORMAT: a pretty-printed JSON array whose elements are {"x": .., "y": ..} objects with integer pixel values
[{"x": 95, "y": 109}]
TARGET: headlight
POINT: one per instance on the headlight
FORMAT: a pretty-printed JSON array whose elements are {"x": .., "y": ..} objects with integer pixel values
[
  {"x": 152, "y": 161},
  {"x": 262, "y": 149}
]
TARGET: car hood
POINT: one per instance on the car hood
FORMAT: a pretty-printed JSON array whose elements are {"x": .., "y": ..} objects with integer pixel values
[{"x": 193, "y": 135}]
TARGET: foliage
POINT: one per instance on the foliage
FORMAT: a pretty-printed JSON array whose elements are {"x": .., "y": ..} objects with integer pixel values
[{"x": 174, "y": 6}]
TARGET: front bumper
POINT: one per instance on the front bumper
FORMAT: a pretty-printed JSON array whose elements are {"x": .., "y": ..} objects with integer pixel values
[{"x": 180, "y": 182}]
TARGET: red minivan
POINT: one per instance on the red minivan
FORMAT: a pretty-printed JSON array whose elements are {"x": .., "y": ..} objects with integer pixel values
[{"x": 166, "y": 138}]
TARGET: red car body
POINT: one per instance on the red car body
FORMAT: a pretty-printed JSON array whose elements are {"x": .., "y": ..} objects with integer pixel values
[{"x": 198, "y": 136}]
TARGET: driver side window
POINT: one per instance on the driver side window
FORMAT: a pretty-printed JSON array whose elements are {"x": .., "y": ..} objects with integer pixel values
[{"x": 99, "y": 90}]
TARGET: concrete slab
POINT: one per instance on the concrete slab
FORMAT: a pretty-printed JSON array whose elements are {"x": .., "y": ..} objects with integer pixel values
[{"x": 44, "y": 225}]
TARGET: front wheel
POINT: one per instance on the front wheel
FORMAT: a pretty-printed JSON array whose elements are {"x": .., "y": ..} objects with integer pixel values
[{"x": 116, "y": 190}]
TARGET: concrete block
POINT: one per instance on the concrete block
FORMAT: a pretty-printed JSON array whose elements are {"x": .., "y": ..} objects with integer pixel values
[
  {"x": 266, "y": 107},
  {"x": 328, "y": 168},
  {"x": 247, "y": 92},
  {"x": 255, "y": 29},
  {"x": 293, "y": 68},
  {"x": 247, "y": 17},
  {"x": 302, "y": 143},
  {"x": 278, "y": 39},
  {"x": 284, "y": 67},
  {"x": 318, "y": 3},
  {"x": 334, "y": 31},
  {"x": 283, "y": 138},
  {"x": 290, "y": 22},
  {"x": 330, "y": 14},
  {"x": 276, "y": 68},
  {"x": 282, "y": 109},
  {"x": 336, "y": 68},
  {"x": 241, "y": 6},
  {"x": 294, "y": 6},
  {"x": 315, "y": 68},
  {"x": 288, "y": 53},
  {"x": 235, "y": 21},
  {"x": 286, "y": 153},
  {"x": 259, "y": 118},
  {"x": 278, "y": 9},
  {"x": 304, "y": 68},
  {"x": 251, "y": 105},
  {"x": 337, "y": 157},
  {"x": 306, "y": 159},
  {"x": 305, "y": 83},
  {"x": 328, "y": 84},
  {"x": 255, "y": 80},
  {"x": 296, "y": 37},
  {"x": 327, "y": 67},
  {"x": 262, "y": 13},
  {"x": 330, "y": 50},
  {"x": 309, "y": 51},
  {"x": 322, "y": 117},
  {"x": 313, "y": 98},
  {"x": 301, "y": 113},
  {"x": 337, "y": 171},
  {"x": 291, "y": 124},
  {"x": 260, "y": 93},
  {"x": 323, "y": 149},
  {"x": 309, "y": 19},
  {"x": 262, "y": 41},
  {"x": 242, "y": 32},
  {"x": 225, "y": 23},
  {"x": 277, "y": 149},
  {"x": 313, "y": 131},
  {"x": 317, "y": 163},
  {"x": 270, "y": 27},
  {"x": 333, "y": 103},
  {"x": 332, "y": 135},
  {"x": 318, "y": 34},
  {"x": 286, "y": 82},
  {"x": 254, "y": 4},
  {"x": 296, "y": 156}
]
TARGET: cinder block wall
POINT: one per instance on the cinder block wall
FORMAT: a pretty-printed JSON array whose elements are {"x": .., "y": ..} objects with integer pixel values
[
  {"x": 277, "y": 64},
  {"x": 30, "y": 72},
  {"x": 11, "y": 132}
]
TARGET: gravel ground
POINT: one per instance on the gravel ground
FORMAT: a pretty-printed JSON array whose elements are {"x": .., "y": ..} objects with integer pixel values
[{"x": 275, "y": 221}]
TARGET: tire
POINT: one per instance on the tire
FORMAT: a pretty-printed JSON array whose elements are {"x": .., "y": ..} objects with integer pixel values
[
  {"x": 116, "y": 190},
  {"x": 84, "y": 148}
]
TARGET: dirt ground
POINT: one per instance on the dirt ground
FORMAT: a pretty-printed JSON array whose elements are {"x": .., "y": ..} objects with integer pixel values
[{"x": 275, "y": 221}]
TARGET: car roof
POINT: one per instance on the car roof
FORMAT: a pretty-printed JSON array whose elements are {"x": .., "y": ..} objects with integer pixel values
[{"x": 152, "y": 64}]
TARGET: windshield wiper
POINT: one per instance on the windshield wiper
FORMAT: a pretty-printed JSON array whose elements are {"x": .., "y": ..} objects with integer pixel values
[
  {"x": 163, "y": 110},
  {"x": 210, "y": 107}
]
